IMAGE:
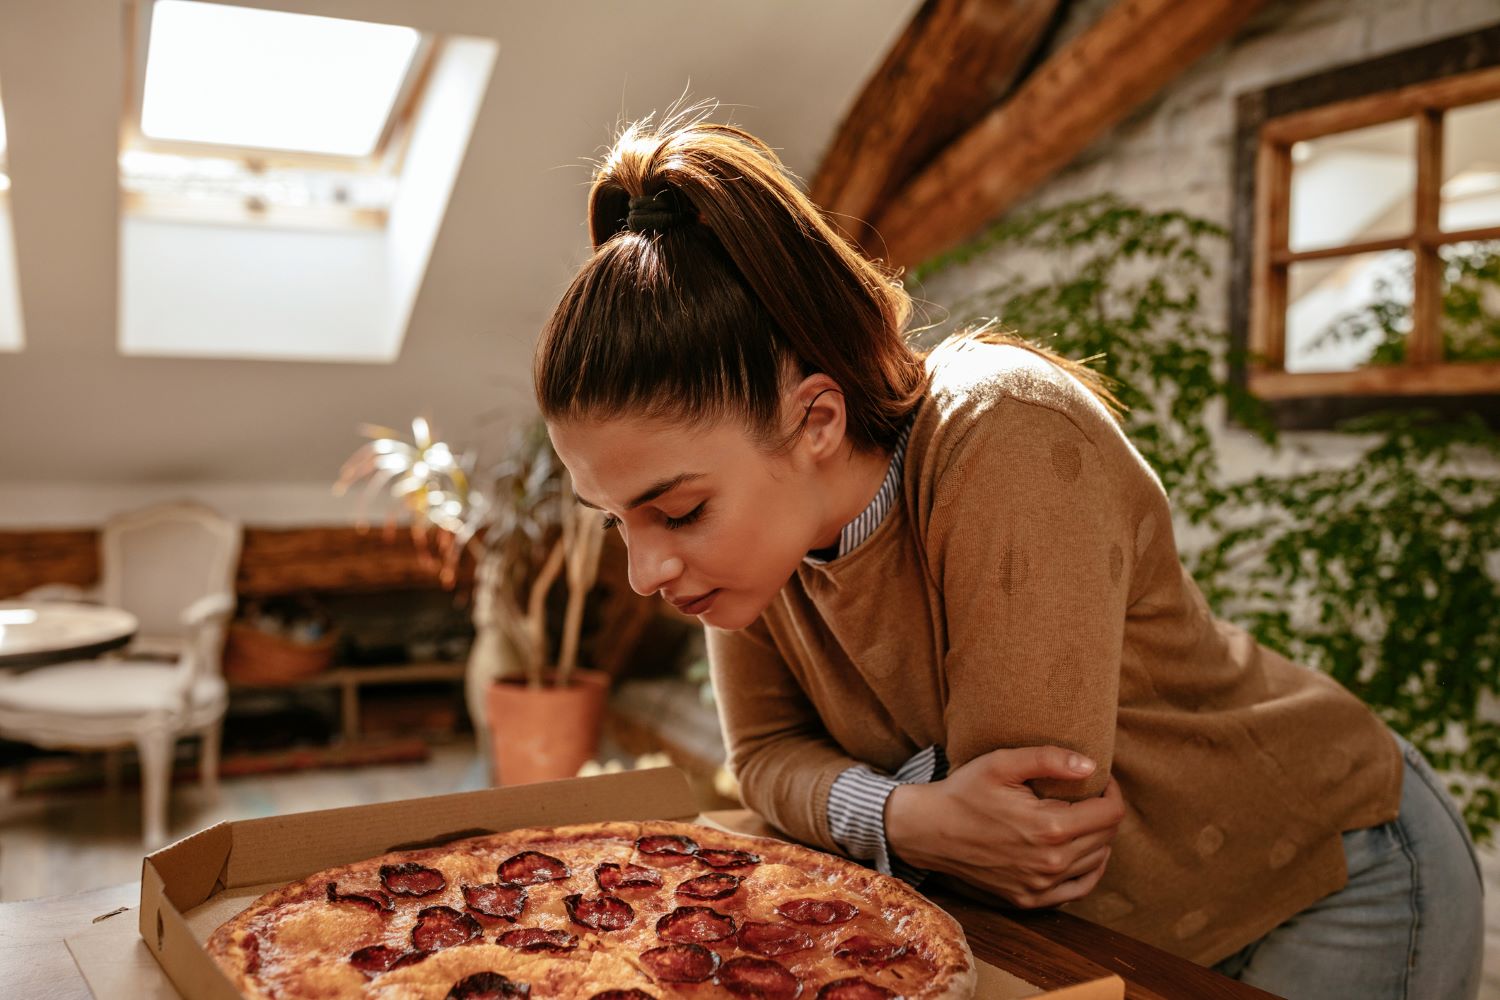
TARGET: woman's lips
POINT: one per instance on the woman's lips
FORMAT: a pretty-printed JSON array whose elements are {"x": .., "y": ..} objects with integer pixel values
[{"x": 696, "y": 605}]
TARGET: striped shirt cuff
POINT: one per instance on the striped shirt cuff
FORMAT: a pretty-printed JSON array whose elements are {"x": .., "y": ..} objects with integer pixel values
[{"x": 856, "y": 810}]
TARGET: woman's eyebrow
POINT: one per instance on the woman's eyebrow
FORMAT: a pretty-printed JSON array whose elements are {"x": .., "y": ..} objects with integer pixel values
[{"x": 653, "y": 492}]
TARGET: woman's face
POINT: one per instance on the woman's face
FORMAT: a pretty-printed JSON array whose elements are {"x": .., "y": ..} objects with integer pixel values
[{"x": 713, "y": 522}]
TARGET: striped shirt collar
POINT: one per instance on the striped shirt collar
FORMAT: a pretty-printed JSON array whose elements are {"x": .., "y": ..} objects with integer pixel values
[{"x": 863, "y": 526}]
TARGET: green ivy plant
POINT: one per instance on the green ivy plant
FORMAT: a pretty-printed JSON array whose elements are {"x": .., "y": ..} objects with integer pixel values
[
  {"x": 1470, "y": 323},
  {"x": 1389, "y": 561}
]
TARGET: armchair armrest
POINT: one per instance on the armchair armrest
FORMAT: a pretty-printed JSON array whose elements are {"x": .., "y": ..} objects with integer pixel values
[
  {"x": 61, "y": 592},
  {"x": 209, "y": 610}
]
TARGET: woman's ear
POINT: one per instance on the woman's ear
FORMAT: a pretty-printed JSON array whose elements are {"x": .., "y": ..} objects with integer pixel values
[{"x": 818, "y": 408}]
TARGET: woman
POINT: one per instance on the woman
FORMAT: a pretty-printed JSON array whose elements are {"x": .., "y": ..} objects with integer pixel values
[{"x": 949, "y": 628}]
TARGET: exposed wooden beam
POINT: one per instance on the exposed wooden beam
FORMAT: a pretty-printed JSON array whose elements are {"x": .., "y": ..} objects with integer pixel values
[
  {"x": 954, "y": 62},
  {"x": 1089, "y": 85}
]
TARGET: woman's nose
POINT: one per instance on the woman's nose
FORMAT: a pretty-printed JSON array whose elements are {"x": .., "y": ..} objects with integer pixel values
[{"x": 651, "y": 568}]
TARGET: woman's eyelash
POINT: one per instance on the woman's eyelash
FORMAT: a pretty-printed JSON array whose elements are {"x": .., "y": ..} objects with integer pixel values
[
  {"x": 610, "y": 521},
  {"x": 688, "y": 518}
]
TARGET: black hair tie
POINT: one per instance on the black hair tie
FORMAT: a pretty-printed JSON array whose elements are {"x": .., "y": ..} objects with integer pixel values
[{"x": 654, "y": 212}]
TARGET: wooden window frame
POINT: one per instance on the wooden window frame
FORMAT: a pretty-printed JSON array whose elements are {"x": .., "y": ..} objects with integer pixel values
[
  {"x": 386, "y": 158},
  {"x": 1421, "y": 84}
]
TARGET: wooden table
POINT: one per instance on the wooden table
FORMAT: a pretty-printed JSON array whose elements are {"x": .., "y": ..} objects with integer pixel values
[
  {"x": 36, "y": 633},
  {"x": 34, "y": 962}
]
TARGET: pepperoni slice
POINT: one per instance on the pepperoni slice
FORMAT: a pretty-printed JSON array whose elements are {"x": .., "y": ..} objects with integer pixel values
[
  {"x": 611, "y": 877},
  {"x": 374, "y": 959},
  {"x": 818, "y": 911},
  {"x": 532, "y": 868},
  {"x": 535, "y": 939},
  {"x": 374, "y": 899},
  {"x": 760, "y": 978},
  {"x": 380, "y": 958},
  {"x": 666, "y": 843},
  {"x": 773, "y": 939},
  {"x": 623, "y": 995},
  {"x": 716, "y": 885},
  {"x": 487, "y": 986},
  {"x": 866, "y": 950},
  {"x": 599, "y": 913},
  {"x": 441, "y": 927},
  {"x": 504, "y": 902},
  {"x": 855, "y": 988},
  {"x": 695, "y": 923},
  {"x": 681, "y": 963},
  {"x": 412, "y": 879},
  {"x": 728, "y": 859}
]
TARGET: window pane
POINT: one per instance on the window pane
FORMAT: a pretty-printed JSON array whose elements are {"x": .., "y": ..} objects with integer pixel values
[
  {"x": 1354, "y": 186},
  {"x": 1345, "y": 312},
  {"x": 1471, "y": 301},
  {"x": 1471, "y": 167},
  {"x": 271, "y": 80}
]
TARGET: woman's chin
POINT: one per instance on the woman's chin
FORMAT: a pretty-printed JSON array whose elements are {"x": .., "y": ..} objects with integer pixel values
[{"x": 730, "y": 615}]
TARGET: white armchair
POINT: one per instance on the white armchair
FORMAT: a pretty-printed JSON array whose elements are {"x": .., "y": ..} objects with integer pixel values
[{"x": 173, "y": 567}]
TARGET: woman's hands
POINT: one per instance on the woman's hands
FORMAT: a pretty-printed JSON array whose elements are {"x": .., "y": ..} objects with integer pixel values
[{"x": 985, "y": 825}]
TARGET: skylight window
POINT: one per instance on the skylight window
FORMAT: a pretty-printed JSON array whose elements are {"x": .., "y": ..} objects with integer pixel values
[{"x": 233, "y": 76}]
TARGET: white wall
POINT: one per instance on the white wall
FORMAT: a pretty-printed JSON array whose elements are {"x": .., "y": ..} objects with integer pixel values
[{"x": 88, "y": 505}]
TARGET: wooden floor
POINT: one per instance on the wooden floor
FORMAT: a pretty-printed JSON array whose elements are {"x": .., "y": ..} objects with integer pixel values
[
  {"x": 69, "y": 843},
  {"x": 65, "y": 843}
]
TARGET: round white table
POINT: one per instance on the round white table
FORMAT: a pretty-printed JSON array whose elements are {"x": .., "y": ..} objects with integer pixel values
[{"x": 36, "y": 633}]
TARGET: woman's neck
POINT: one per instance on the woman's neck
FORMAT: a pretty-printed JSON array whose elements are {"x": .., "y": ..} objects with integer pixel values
[{"x": 850, "y": 486}]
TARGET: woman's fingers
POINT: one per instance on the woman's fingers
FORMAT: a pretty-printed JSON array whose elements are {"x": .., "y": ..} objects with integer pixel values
[
  {"x": 1057, "y": 823},
  {"x": 1085, "y": 864},
  {"x": 1088, "y": 844},
  {"x": 1102, "y": 813},
  {"x": 1072, "y": 889},
  {"x": 1018, "y": 765}
]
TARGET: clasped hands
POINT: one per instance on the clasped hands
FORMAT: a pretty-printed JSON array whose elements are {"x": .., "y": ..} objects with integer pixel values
[{"x": 984, "y": 824}]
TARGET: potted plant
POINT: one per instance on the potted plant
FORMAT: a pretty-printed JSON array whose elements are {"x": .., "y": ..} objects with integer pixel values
[{"x": 537, "y": 710}]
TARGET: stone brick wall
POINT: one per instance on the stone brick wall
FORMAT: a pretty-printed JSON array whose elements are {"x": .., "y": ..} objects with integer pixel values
[{"x": 1175, "y": 152}]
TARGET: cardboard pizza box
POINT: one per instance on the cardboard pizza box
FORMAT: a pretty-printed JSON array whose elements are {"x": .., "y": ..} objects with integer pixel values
[{"x": 189, "y": 888}]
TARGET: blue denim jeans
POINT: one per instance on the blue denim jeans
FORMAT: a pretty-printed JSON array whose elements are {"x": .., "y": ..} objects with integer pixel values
[{"x": 1409, "y": 925}]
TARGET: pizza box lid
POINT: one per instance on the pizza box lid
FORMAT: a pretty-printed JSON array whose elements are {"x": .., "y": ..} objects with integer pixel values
[{"x": 193, "y": 885}]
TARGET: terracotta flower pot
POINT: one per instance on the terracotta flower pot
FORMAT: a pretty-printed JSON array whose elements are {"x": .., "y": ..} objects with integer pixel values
[{"x": 546, "y": 733}]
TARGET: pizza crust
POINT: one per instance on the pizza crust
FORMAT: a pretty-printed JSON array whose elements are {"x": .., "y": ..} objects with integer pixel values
[{"x": 292, "y": 943}]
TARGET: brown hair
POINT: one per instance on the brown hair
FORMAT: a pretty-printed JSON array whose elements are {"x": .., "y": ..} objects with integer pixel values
[{"x": 741, "y": 285}]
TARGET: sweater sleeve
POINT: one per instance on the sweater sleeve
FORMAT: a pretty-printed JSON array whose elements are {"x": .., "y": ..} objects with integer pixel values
[
  {"x": 1028, "y": 544},
  {"x": 779, "y": 750}
]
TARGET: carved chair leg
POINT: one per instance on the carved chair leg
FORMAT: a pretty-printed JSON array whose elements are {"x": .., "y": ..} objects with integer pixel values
[
  {"x": 208, "y": 758},
  {"x": 155, "y": 746}
]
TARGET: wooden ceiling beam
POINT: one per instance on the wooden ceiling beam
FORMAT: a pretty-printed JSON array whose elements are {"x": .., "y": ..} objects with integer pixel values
[
  {"x": 1089, "y": 85},
  {"x": 952, "y": 63}
]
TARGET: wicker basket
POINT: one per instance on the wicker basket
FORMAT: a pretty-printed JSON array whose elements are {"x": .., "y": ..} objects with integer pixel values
[{"x": 254, "y": 657}]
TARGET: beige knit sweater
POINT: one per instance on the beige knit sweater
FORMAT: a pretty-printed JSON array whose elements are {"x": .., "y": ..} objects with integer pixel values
[{"x": 1027, "y": 590}]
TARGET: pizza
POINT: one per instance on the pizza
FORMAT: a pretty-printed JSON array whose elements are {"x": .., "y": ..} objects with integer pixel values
[{"x": 598, "y": 911}]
